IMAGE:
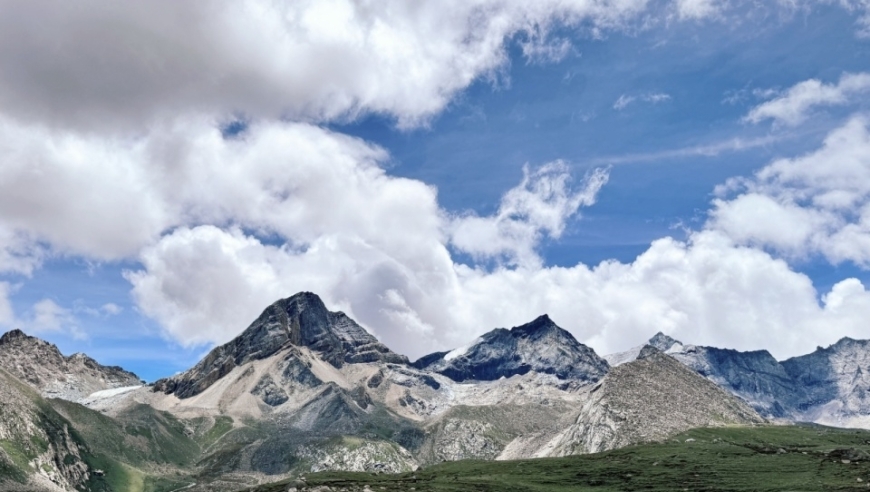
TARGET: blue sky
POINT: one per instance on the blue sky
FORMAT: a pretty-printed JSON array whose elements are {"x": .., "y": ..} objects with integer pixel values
[{"x": 160, "y": 241}]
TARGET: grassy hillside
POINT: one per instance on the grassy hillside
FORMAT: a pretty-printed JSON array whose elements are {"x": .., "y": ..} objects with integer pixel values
[
  {"x": 138, "y": 450},
  {"x": 762, "y": 458}
]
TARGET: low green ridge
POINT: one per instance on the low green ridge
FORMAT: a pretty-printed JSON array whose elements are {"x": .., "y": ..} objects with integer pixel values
[{"x": 758, "y": 458}]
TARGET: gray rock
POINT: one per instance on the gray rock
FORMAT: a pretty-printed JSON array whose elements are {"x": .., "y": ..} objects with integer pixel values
[
  {"x": 539, "y": 346},
  {"x": 41, "y": 365},
  {"x": 300, "y": 320}
]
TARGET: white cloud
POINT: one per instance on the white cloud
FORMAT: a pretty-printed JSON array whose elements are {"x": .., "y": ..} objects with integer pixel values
[
  {"x": 111, "y": 309},
  {"x": 95, "y": 65},
  {"x": 7, "y": 314},
  {"x": 818, "y": 203},
  {"x": 653, "y": 98},
  {"x": 541, "y": 204},
  {"x": 110, "y": 150},
  {"x": 47, "y": 315},
  {"x": 622, "y": 102},
  {"x": 794, "y": 105},
  {"x": 205, "y": 284},
  {"x": 696, "y": 9}
]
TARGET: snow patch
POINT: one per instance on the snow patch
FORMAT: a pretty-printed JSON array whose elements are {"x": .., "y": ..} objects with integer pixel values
[
  {"x": 99, "y": 395},
  {"x": 461, "y": 350}
]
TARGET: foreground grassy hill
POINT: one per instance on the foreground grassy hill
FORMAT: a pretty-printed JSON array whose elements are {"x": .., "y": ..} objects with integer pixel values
[{"x": 758, "y": 458}]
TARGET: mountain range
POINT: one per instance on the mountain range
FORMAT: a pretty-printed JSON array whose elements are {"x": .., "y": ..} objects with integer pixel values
[{"x": 307, "y": 389}]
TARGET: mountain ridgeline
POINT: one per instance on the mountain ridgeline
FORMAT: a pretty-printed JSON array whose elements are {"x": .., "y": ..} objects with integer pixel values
[
  {"x": 306, "y": 389},
  {"x": 301, "y": 320},
  {"x": 539, "y": 346}
]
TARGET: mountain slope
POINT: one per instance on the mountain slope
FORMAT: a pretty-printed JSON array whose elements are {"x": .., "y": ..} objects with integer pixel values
[
  {"x": 39, "y": 449},
  {"x": 835, "y": 383},
  {"x": 41, "y": 365},
  {"x": 539, "y": 346},
  {"x": 300, "y": 320},
  {"x": 649, "y": 399}
]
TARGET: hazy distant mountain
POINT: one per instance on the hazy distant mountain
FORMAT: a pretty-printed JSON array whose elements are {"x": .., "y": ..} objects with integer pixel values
[{"x": 41, "y": 365}]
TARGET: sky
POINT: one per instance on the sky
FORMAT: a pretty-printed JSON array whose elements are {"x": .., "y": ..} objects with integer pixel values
[{"x": 435, "y": 170}]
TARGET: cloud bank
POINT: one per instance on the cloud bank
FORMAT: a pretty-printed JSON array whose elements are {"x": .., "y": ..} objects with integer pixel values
[{"x": 112, "y": 149}]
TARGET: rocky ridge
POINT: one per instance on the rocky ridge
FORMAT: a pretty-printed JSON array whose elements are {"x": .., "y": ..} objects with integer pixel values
[
  {"x": 41, "y": 365},
  {"x": 300, "y": 320},
  {"x": 829, "y": 385},
  {"x": 540, "y": 346},
  {"x": 648, "y": 399},
  {"x": 40, "y": 450},
  {"x": 303, "y": 389}
]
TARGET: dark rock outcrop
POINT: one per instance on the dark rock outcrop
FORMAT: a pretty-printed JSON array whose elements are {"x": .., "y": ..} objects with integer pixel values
[{"x": 539, "y": 346}]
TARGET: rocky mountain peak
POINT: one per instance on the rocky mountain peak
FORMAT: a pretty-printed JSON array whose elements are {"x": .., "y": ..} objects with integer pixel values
[
  {"x": 540, "y": 346},
  {"x": 541, "y": 323},
  {"x": 12, "y": 335},
  {"x": 662, "y": 342},
  {"x": 41, "y": 365},
  {"x": 300, "y": 320}
]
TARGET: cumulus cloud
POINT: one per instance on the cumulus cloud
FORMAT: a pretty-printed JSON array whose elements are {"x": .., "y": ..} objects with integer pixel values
[
  {"x": 794, "y": 105},
  {"x": 97, "y": 65},
  {"x": 206, "y": 283},
  {"x": 818, "y": 203},
  {"x": 43, "y": 316},
  {"x": 111, "y": 149}
]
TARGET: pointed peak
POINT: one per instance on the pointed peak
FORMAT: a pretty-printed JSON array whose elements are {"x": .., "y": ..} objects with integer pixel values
[
  {"x": 541, "y": 323},
  {"x": 662, "y": 341},
  {"x": 304, "y": 298},
  {"x": 11, "y": 335}
]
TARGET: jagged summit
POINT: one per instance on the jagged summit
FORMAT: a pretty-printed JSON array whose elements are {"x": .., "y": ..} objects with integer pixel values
[
  {"x": 662, "y": 342},
  {"x": 12, "y": 335},
  {"x": 41, "y": 365},
  {"x": 540, "y": 346},
  {"x": 301, "y": 320}
]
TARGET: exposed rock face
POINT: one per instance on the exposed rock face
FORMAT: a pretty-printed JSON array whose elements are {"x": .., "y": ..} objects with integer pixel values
[
  {"x": 755, "y": 376},
  {"x": 40, "y": 450},
  {"x": 830, "y": 385},
  {"x": 836, "y": 377},
  {"x": 41, "y": 365},
  {"x": 300, "y": 320},
  {"x": 649, "y": 399},
  {"x": 539, "y": 346}
]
